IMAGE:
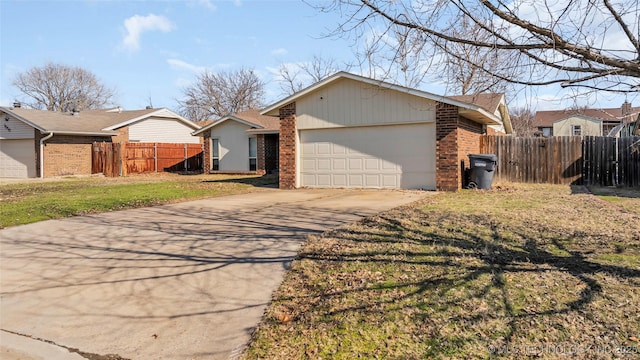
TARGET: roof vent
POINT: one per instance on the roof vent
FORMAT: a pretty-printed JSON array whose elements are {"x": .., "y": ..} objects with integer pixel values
[
  {"x": 17, "y": 104},
  {"x": 149, "y": 107}
]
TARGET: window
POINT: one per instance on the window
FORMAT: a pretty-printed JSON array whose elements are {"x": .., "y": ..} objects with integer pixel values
[
  {"x": 253, "y": 152},
  {"x": 215, "y": 155},
  {"x": 547, "y": 131},
  {"x": 576, "y": 130}
]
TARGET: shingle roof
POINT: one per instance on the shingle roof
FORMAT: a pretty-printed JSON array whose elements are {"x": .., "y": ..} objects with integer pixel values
[
  {"x": 489, "y": 102},
  {"x": 88, "y": 121},
  {"x": 548, "y": 117},
  {"x": 266, "y": 122},
  {"x": 252, "y": 118}
]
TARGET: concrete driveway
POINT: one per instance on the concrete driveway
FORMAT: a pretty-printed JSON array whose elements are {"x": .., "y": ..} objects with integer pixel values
[{"x": 184, "y": 281}]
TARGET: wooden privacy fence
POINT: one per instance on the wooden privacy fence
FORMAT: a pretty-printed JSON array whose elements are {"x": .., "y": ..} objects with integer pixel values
[
  {"x": 132, "y": 158},
  {"x": 590, "y": 160},
  {"x": 611, "y": 161},
  {"x": 106, "y": 158}
]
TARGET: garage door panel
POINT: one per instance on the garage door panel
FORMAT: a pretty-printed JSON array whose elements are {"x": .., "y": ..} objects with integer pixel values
[
  {"x": 355, "y": 164},
  {"x": 323, "y": 164},
  {"x": 390, "y": 181},
  {"x": 309, "y": 165},
  {"x": 339, "y": 149},
  {"x": 339, "y": 164},
  {"x": 372, "y": 181},
  {"x": 356, "y": 180},
  {"x": 372, "y": 164},
  {"x": 401, "y": 156},
  {"x": 17, "y": 158},
  {"x": 339, "y": 180}
]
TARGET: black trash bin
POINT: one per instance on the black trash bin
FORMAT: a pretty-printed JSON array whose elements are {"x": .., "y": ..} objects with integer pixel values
[{"x": 481, "y": 172}]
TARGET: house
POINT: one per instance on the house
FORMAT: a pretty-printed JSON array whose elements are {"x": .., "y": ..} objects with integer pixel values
[
  {"x": 246, "y": 142},
  {"x": 352, "y": 131},
  {"x": 584, "y": 122},
  {"x": 59, "y": 143}
]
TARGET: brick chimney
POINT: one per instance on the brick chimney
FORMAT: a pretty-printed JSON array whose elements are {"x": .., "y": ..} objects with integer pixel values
[{"x": 626, "y": 111}]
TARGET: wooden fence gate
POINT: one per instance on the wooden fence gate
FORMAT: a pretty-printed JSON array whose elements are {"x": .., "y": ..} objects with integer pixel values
[
  {"x": 114, "y": 159},
  {"x": 611, "y": 161},
  {"x": 592, "y": 160},
  {"x": 106, "y": 158}
]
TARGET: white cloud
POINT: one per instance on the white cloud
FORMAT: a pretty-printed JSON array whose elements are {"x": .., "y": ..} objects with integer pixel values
[
  {"x": 279, "y": 51},
  {"x": 208, "y": 4},
  {"x": 137, "y": 24},
  {"x": 237, "y": 2},
  {"x": 183, "y": 65}
]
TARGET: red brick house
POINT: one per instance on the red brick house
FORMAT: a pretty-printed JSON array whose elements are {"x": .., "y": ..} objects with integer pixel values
[
  {"x": 352, "y": 131},
  {"x": 40, "y": 143}
]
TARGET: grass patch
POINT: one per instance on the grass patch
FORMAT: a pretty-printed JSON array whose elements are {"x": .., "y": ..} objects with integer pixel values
[
  {"x": 627, "y": 199},
  {"x": 43, "y": 200},
  {"x": 514, "y": 272}
]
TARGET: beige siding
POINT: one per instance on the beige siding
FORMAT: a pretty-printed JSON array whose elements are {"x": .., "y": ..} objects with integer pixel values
[
  {"x": 351, "y": 103},
  {"x": 162, "y": 130},
  {"x": 14, "y": 128},
  {"x": 234, "y": 145},
  {"x": 589, "y": 127}
]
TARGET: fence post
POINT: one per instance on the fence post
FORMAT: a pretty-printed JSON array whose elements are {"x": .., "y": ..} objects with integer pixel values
[
  {"x": 155, "y": 157},
  {"x": 186, "y": 158}
]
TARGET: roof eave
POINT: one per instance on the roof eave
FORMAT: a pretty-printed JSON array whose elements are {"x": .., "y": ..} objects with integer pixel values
[
  {"x": 481, "y": 116},
  {"x": 486, "y": 117},
  {"x": 82, "y": 133},
  {"x": 157, "y": 113},
  {"x": 228, "y": 117},
  {"x": 263, "y": 131},
  {"x": 33, "y": 125}
]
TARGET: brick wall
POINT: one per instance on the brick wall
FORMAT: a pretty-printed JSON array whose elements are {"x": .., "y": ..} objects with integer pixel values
[
  {"x": 68, "y": 155},
  {"x": 456, "y": 138},
  {"x": 122, "y": 137},
  {"x": 469, "y": 133},
  {"x": 447, "y": 165},
  {"x": 261, "y": 158},
  {"x": 206, "y": 149},
  {"x": 287, "y": 174}
]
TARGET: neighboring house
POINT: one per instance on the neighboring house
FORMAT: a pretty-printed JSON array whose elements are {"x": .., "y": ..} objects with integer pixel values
[
  {"x": 352, "y": 131},
  {"x": 584, "y": 122},
  {"x": 495, "y": 104},
  {"x": 246, "y": 142},
  {"x": 626, "y": 129},
  {"x": 60, "y": 143}
]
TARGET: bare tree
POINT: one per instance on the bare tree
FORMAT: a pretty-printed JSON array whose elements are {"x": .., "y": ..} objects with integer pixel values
[
  {"x": 295, "y": 77},
  {"x": 464, "y": 73},
  {"x": 522, "y": 121},
  {"x": 58, "y": 87},
  {"x": 591, "y": 45},
  {"x": 216, "y": 95}
]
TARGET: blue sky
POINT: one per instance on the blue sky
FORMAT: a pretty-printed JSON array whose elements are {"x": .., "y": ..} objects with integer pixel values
[{"x": 151, "y": 50}]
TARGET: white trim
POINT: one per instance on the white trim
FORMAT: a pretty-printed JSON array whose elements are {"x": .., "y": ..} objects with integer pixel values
[
  {"x": 492, "y": 119},
  {"x": 42, "y": 140}
]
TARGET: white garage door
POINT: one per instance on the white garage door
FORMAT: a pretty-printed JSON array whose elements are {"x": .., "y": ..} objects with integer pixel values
[
  {"x": 17, "y": 158},
  {"x": 395, "y": 156}
]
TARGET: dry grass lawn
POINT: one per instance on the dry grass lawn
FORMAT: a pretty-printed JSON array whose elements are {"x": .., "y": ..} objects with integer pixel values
[{"x": 521, "y": 271}]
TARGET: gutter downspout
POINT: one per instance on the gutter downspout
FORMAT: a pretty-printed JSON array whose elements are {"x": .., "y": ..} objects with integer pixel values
[{"x": 42, "y": 153}]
